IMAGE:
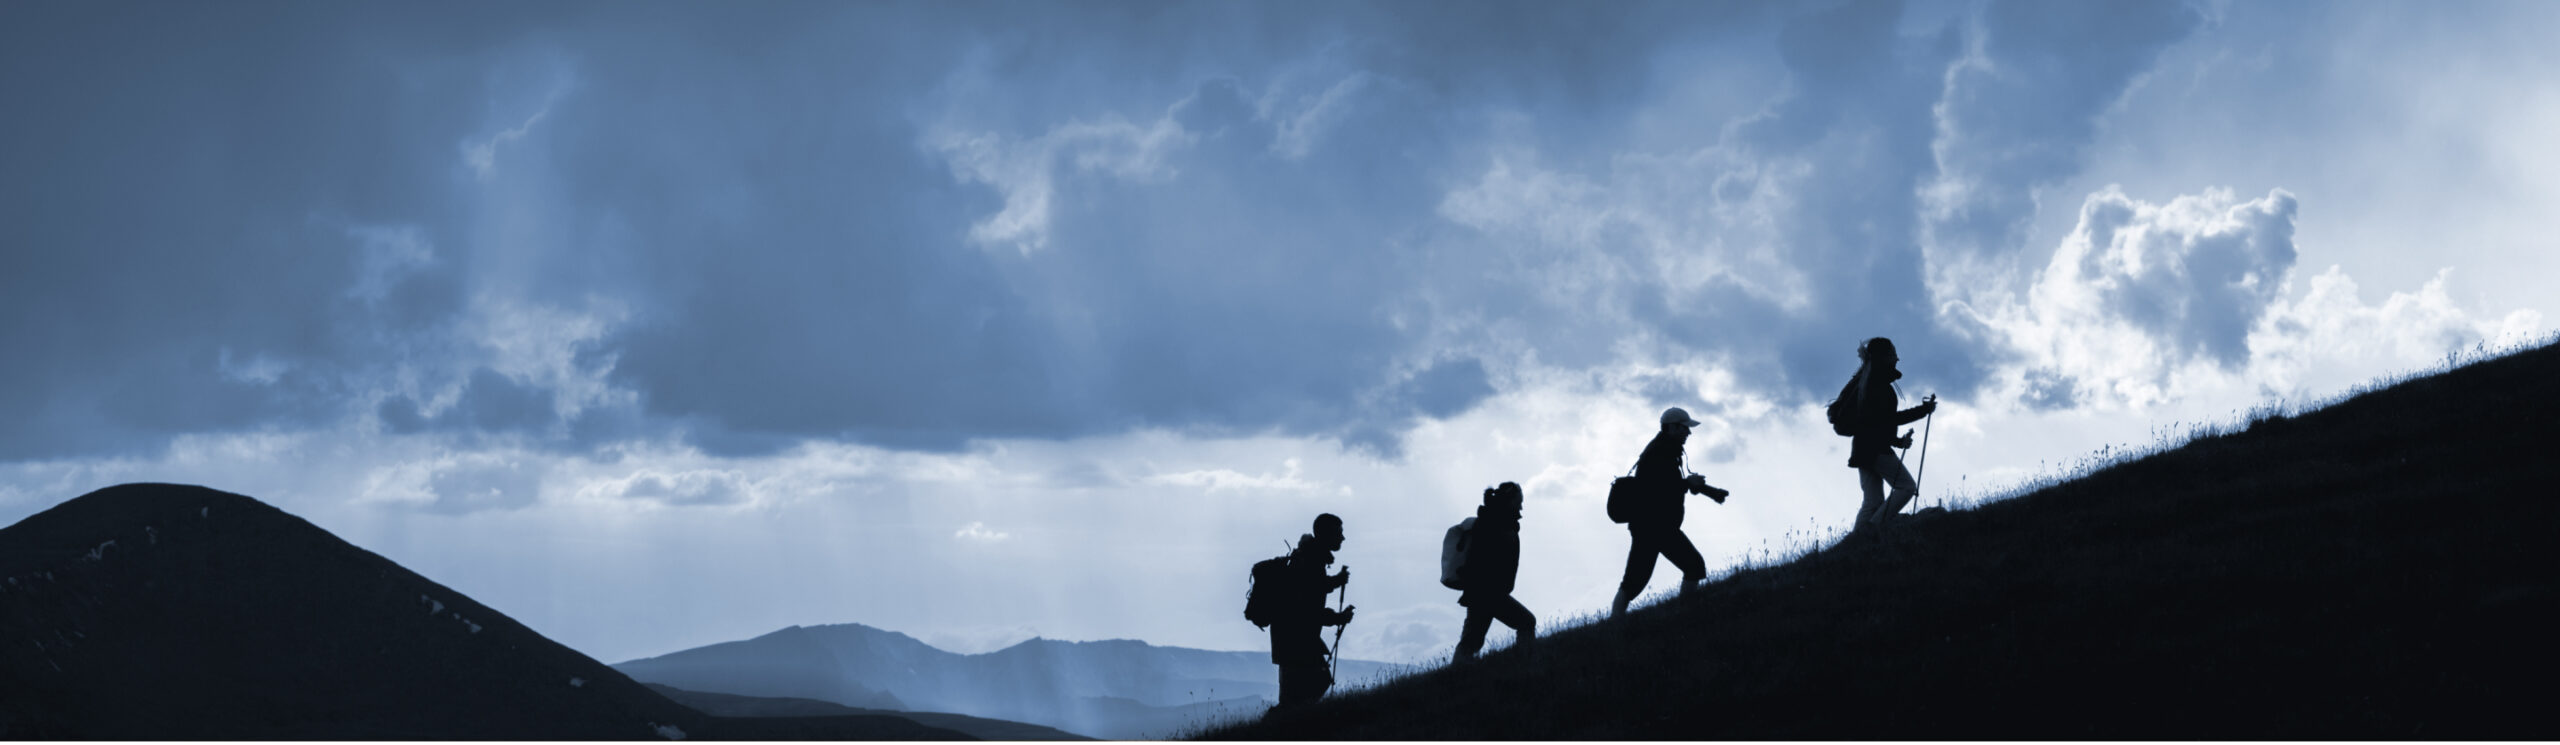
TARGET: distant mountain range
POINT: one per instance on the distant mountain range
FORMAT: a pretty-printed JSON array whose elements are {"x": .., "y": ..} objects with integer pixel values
[
  {"x": 1117, "y": 689},
  {"x": 166, "y": 612}
]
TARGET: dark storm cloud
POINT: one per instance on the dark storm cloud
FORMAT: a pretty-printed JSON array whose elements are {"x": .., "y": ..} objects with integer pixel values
[
  {"x": 1445, "y": 389},
  {"x": 2023, "y": 116},
  {"x": 1190, "y": 268},
  {"x": 1849, "y": 140},
  {"x": 490, "y": 402},
  {"x": 165, "y": 165},
  {"x": 908, "y": 225},
  {"x": 1878, "y": 117}
]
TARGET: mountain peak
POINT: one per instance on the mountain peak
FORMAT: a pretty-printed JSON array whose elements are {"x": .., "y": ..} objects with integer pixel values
[
  {"x": 81, "y": 523},
  {"x": 168, "y": 611}
]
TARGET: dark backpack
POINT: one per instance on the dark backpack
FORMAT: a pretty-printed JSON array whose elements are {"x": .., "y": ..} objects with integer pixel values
[
  {"x": 1844, "y": 409},
  {"x": 1264, "y": 608},
  {"x": 1628, "y": 497}
]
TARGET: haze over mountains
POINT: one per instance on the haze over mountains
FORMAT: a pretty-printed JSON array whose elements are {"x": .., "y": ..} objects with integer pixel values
[{"x": 1116, "y": 689}]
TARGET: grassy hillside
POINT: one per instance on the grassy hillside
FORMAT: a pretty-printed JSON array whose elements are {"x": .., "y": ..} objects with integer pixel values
[{"x": 2379, "y": 568}]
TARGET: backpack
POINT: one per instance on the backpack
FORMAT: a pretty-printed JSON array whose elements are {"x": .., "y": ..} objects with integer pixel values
[
  {"x": 1626, "y": 497},
  {"x": 1453, "y": 553},
  {"x": 1844, "y": 409},
  {"x": 1264, "y": 608}
]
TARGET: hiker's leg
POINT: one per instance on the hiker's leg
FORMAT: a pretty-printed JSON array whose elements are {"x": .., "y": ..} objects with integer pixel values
[
  {"x": 1640, "y": 553},
  {"x": 1890, "y": 468},
  {"x": 1683, "y": 554},
  {"x": 1524, "y": 625},
  {"x": 1871, "y": 488},
  {"x": 1471, "y": 635},
  {"x": 1302, "y": 682},
  {"x": 1292, "y": 687}
]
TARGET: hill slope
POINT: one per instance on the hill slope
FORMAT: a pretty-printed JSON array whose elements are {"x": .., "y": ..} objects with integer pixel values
[
  {"x": 157, "y": 611},
  {"x": 2379, "y": 568}
]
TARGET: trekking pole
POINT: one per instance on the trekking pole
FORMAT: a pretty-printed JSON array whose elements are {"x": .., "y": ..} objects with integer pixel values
[
  {"x": 1332, "y": 659},
  {"x": 1930, "y": 423}
]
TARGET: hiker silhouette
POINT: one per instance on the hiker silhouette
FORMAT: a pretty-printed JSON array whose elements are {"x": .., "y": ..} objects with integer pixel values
[
  {"x": 1297, "y": 634},
  {"x": 1874, "y": 414},
  {"x": 1653, "y": 526},
  {"x": 1493, "y": 565}
]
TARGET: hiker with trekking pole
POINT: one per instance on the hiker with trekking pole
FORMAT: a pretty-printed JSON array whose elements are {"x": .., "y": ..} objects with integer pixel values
[
  {"x": 1867, "y": 411},
  {"x": 1288, "y": 596}
]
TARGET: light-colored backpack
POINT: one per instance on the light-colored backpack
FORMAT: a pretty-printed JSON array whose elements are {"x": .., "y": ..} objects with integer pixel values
[{"x": 1453, "y": 552}]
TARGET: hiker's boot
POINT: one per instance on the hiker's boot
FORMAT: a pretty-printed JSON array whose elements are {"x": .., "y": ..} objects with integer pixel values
[{"x": 1618, "y": 607}]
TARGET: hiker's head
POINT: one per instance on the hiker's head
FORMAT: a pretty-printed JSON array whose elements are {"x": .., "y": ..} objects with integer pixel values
[
  {"x": 1329, "y": 531},
  {"x": 1508, "y": 494},
  {"x": 1677, "y": 417},
  {"x": 1878, "y": 351}
]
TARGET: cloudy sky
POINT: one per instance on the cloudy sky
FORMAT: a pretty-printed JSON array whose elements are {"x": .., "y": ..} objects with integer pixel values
[{"x": 656, "y": 325}]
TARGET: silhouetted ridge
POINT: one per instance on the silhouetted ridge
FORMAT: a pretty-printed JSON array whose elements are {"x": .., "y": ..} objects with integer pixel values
[
  {"x": 160, "y": 611},
  {"x": 793, "y": 662},
  {"x": 2380, "y": 568}
]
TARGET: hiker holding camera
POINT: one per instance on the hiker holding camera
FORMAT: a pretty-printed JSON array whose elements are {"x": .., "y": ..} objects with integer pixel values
[
  {"x": 1653, "y": 522},
  {"x": 1492, "y": 565},
  {"x": 1873, "y": 415}
]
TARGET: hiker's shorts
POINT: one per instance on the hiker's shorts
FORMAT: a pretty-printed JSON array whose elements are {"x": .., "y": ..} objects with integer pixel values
[{"x": 1881, "y": 470}]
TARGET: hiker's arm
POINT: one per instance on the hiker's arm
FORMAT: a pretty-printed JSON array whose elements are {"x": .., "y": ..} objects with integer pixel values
[
  {"x": 1915, "y": 413},
  {"x": 1698, "y": 485},
  {"x": 1337, "y": 617}
]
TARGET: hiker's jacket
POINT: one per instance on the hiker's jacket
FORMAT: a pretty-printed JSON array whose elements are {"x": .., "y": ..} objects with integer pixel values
[
  {"x": 1659, "y": 468},
  {"x": 1878, "y": 415},
  {"x": 1493, "y": 554},
  {"x": 1297, "y": 637}
]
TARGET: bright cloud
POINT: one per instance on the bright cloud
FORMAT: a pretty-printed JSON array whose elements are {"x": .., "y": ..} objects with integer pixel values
[
  {"x": 1222, "y": 479},
  {"x": 2139, "y": 291},
  {"x": 978, "y": 531}
]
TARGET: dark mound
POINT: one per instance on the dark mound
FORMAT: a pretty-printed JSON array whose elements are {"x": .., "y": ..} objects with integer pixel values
[
  {"x": 158, "y": 611},
  {"x": 2381, "y": 568}
]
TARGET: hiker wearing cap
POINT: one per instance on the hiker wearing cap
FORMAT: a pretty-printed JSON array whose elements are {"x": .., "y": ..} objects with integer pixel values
[
  {"x": 1877, "y": 412},
  {"x": 1655, "y": 527},
  {"x": 1297, "y": 636},
  {"x": 1493, "y": 565}
]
